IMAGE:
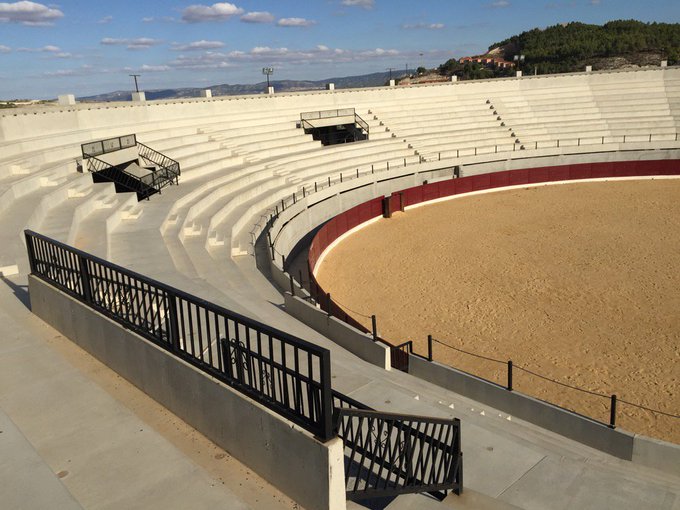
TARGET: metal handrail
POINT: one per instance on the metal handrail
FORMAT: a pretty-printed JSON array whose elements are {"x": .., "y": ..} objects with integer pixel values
[{"x": 286, "y": 374}]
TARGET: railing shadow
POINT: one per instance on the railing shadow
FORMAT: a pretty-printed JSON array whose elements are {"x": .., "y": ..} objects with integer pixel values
[{"x": 20, "y": 291}]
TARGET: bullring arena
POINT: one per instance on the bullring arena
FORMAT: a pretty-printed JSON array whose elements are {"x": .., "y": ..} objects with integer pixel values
[{"x": 115, "y": 401}]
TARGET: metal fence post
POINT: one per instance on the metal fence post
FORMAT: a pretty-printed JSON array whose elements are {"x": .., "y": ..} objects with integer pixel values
[
  {"x": 31, "y": 250},
  {"x": 292, "y": 285},
  {"x": 326, "y": 418},
  {"x": 85, "y": 279},
  {"x": 173, "y": 326},
  {"x": 429, "y": 347},
  {"x": 374, "y": 326},
  {"x": 612, "y": 413},
  {"x": 509, "y": 375}
]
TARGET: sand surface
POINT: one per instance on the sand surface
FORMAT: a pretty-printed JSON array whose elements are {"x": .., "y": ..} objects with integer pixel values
[{"x": 577, "y": 282}]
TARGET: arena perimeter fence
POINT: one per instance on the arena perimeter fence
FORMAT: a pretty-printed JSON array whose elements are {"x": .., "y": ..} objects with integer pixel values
[
  {"x": 342, "y": 223},
  {"x": 385, "y": 454}
]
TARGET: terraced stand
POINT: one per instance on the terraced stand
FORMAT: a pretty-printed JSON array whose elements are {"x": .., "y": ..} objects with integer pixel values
[{"x": 245, "y": 164}]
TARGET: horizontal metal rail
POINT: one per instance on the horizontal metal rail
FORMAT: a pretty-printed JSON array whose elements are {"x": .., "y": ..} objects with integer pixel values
[{"x": 282, "y": 372}]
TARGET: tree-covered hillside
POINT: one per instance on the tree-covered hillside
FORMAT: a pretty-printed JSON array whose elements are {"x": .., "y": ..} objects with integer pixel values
[{"x": 568, "y": 47}]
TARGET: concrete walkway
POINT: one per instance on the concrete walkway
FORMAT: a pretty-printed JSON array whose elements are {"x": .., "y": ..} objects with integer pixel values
[{"x": 73, "y": 434}]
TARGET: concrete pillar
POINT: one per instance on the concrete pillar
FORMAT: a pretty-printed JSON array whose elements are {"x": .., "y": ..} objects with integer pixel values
[
  {"x": 454, "y": 78},
  {"x": 664, "y": 63},
  {"x": 66, "y": 99},
  {"x": 518, "y": 74},
  {"x": 206, "y": 93},
  {"x": 139, "y": 97},
  {"x": 330, "y": 86},
  {"x": 589, "y": 69},
  {"x": 392, "y": 83},
  {"x": 270, "y": 90}
]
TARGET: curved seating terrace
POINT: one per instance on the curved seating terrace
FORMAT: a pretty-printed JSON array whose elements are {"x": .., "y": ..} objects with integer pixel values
[{"x": 242, "y": 156}]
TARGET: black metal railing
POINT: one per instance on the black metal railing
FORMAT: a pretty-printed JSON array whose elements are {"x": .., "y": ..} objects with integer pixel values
[
  {"x": 305, "y": 117},
  {"x": 109, "y": 145},
  {"x": 167, "y": 169},
  {"x": 389, "y": 454},
  {"x": 282, "y": 372}
]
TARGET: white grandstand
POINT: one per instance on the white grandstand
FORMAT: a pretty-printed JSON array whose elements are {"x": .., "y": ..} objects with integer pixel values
[{"x": 240, "y": 158}]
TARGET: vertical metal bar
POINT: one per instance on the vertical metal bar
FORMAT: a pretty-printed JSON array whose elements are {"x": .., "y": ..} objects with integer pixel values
[
  {"x": 429, "y": 347},
  {"x": 173, "y": 321},
  {"x": 374, "y": 327},
  {"x": 326, "y": 418},
  {"x": 510, "y": 375},
  {"x": 292, "y": 285},
  {"x": 612, "y": 413}
]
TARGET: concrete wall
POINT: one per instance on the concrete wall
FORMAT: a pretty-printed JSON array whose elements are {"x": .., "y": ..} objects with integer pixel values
[
  {"x": 310, "y": 472},
  {"x": 358, "y": 343},
  {"x": 639, "y": 449}
]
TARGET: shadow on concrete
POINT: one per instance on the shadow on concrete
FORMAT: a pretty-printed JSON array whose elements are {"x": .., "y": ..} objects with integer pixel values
[
  {"x": 20, "y": 291},
  {"x": 376, "y": 503}
]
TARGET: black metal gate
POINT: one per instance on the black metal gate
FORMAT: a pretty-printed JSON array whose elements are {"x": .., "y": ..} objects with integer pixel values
[{"x": 389, "y": 454}]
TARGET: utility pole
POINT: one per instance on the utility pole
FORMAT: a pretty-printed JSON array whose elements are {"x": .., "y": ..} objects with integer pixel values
[{"x": 135, "y": 76}]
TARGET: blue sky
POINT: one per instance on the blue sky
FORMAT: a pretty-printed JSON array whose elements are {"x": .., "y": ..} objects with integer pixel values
[{"x": 91, "y": 47}]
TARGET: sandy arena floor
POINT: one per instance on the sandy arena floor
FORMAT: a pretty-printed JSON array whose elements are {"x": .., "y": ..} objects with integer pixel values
[{"x": 577, "y": 282}]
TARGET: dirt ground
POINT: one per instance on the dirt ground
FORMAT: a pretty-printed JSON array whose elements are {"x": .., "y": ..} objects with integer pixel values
[{"x": 576, "y": 282}]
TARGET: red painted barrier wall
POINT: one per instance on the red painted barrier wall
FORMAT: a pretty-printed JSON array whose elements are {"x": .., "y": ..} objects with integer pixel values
[{"x": 353, "y": 217}]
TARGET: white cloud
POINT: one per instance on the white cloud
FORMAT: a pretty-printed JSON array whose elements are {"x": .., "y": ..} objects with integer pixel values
[
  {"x": 45, "y": 49},
  {"x": 61, "y": 73},
  {"x": 258, "y": 17},
  {"x": 282, "y": 56},
  {"x": 427, "y": 26},
  {"x": 140, "y": 43},
  {"x": 295, "y": 22},
  {"x": 197, "y": 46},
  {"x": 105, "y": 20},
  {"x": 500, "y": 4},
  {"x": 146, "y": 68},
  {"x": 215, "y": 12},
  {"x": 162, "y": 19},
  {"x": 5, "y": 49},
  {"x": 366, "y": 4},
  {"x": 28, "y": 13}
]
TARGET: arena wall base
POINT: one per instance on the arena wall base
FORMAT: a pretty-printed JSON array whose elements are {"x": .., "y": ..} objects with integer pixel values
[
  {"x": 310, "y": 472},
  {"x": 580, "y": 428}
]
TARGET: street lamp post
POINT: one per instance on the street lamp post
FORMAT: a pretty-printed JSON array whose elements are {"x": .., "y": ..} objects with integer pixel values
[
  {"x": 267, "y": 71},
  {"x": 520, "y": 60}
]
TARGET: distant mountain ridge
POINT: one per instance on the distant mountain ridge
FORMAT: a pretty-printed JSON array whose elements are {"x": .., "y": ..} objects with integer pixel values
[{"x": 346, "y": 82}]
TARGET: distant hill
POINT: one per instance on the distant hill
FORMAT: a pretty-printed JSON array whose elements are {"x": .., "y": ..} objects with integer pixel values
[
  {"x": 570, "y": 47},
  {"x": 360, "y": 81}
]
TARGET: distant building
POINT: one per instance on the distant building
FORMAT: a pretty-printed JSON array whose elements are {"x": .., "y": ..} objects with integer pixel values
[{"x": 488, "y": 61}]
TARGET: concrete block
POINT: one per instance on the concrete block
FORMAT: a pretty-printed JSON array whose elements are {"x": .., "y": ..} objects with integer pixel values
[
  {"x": 66, "y": 100},
  {"x": 207, "y": 93},
  {"x": 454, "y": 78},
  {"x": 9, "y": 270},
  {"x": 664, "y": 63},
  {"x": 589, "y": 69},
  {"x": 270, "y": 90},
  {"x": 330, "y": 86},
  {"x": 138, "y": 97},
  {"x": 518, "y": 74},
  {"x": 392, "y": 83}
]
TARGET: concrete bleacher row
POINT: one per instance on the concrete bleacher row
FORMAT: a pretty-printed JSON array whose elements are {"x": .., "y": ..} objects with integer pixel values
[{"x": 240, "y": 158}]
